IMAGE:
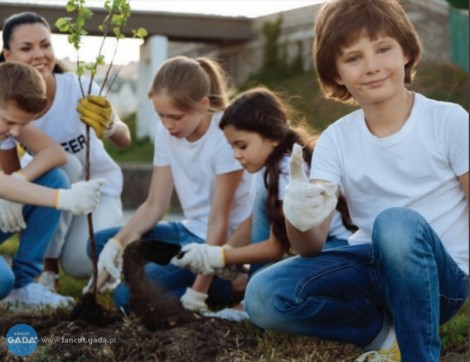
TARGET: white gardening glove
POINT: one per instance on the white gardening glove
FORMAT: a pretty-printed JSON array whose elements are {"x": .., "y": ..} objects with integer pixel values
[
  {"x": 11, "y": 216},
  {"x": 108, "y": 261},
  {"x": 306, "y": 205},
  {"x": 110, "y": 285},
  {"x": 194, "y": 301},
  {"x": 82, "y": 198},
  {"x": 11, "y": 213},
  {"x": 200, "y": 258},
  {"x": 230, "y": 272}
]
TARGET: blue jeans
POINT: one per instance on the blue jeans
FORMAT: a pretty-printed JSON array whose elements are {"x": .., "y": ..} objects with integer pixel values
[
  {"x": 353, "y": 293},
  {"x": 260, "y": 226},
  {"x": 260, "y": 229},
  {"x": 41, "y": 224},
  {"x": 169, "y": 277}
]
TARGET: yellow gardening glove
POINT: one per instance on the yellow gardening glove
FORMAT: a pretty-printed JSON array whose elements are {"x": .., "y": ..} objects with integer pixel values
[{"x": 96, "y": 112}]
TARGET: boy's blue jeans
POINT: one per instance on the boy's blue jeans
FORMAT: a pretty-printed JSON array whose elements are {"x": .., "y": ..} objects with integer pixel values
[
  {"x": 169, "y": 277},
  {"x": 41, "y": 223},
  {"x": 260, "y": 229},
  {"x": 351, "y": 293}
]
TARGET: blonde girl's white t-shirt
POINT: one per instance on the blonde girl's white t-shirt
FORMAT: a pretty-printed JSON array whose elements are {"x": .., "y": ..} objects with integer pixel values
[
  {"x": 62, "y": 123},
  {"x": 337, "y": 228},
  {"x": 194, "y": 167},
  {"x": 417, "y": 167}
]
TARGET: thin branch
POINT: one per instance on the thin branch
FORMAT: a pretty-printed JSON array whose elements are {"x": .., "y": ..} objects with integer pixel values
[
  {"x": 107, "y": 21},
  {"x": 113, "y": 79}
]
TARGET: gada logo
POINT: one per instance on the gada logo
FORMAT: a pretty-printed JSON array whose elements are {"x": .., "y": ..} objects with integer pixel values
[{"x": 22, "y": 340}]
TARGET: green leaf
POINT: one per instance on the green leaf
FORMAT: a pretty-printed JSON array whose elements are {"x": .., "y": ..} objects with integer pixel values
[
  {"x": 100, "y": 60},
  {"x": 63, "y": 24},
  {"x": 139, "y": 33},
  {"x": 70, "y": 7}
]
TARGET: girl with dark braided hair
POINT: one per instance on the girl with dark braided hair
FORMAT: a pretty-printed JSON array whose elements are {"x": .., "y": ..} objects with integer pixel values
[{"x": 257, "y": 126}]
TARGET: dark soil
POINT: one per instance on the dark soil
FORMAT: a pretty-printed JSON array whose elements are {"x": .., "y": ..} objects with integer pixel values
[
  {"x": 123, "y": 340},
  {"x": 162, "y": 330},
  {"x": 199, "y": 339}
]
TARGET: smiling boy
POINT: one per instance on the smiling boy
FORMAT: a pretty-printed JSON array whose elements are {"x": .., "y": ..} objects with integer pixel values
[{"x": 401, "y": 161}]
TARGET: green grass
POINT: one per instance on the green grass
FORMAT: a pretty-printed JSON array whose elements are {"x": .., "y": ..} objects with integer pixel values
[
  {"x": 139, "y": 151},
  {"x": 10, "y": 246}
]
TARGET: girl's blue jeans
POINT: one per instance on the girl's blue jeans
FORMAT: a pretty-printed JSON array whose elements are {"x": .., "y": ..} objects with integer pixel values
[
  {"x": 169, "y": 277},
  {"x": 41, "y": 223},
  {"x": 353, "y": 293}
]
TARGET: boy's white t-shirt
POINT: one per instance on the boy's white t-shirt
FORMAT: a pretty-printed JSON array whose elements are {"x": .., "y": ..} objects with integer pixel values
[
  {"x": 63, "y": 124},
  {"x": 337, "y": 228},
  {"x": 417, "y": 168},
  {"x": 194, "y": 167}
]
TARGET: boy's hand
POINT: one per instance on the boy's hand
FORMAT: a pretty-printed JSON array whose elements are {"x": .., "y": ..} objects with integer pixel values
[
  {"x": 306, "y": 205},
  {"x": 82, "y": 198},
  {"x": 194, "y": 301},
  {"x": 200, "y": 258},
  {"x": 11, "y": 216},
  {"x": 96, "y": 112}
]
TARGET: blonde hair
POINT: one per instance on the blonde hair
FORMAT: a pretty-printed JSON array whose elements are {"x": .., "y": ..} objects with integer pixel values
[
  {"x": 341, "y": 22},
  {"x": 22, "y": 84},
  {"x": 188, "y": 80}
]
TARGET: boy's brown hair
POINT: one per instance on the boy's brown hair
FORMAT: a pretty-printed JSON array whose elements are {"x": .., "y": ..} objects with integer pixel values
[
  {"x": 22, "y": 84},
  {"x": 339, "y": 23}
]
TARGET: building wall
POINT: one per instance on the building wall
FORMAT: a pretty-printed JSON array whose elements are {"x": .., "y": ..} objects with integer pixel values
[{"x": 429, "y": 17}]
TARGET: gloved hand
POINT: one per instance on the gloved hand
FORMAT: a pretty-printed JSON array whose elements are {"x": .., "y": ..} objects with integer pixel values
[
  {"x": 11, "y": 216},
  {"x": 200, "y": 258},
  {"x": 306, "y": 205},
  {"x": 96, "y": 112},
  {"x": 107, "y": 259},
  {"x": 110, "y": 285},
  {"x": 194, "y": 301},
  {"x": 230, "y": 272},
  {"x": 82, "y": 198},
  {"x": 11, "y": 213}
]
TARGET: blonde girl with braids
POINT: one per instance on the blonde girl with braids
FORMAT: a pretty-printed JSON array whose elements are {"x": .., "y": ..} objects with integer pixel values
[{"x": 193, "y": 158}]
